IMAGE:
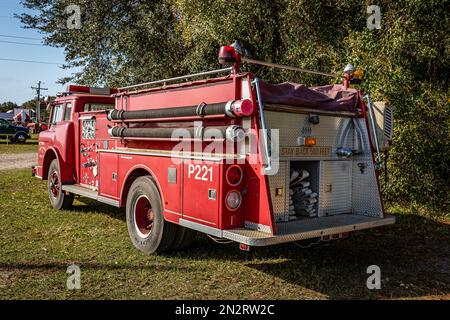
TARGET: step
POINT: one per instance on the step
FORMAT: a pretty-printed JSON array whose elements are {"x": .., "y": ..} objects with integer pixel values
[
  {"x": 88, "y": 193},
  {"x": 307, "y": 228}
]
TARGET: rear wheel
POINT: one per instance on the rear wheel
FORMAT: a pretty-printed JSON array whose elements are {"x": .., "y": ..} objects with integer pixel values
[
  {"x": 184, "y": 238},
  {"x": 58, "y": 198},
  {"x": 148, "y": 230}
]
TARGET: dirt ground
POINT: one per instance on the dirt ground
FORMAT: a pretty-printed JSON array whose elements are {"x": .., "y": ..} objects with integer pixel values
[{"x": 18, "y": 161}]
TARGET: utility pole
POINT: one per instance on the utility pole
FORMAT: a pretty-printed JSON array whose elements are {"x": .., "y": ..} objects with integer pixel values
[{"x": 38, "y": 107}]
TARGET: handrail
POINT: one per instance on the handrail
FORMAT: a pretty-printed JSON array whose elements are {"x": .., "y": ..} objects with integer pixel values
[
  {"x": 374, "y": 129},
  {"x": 205, "y": 73},
  {"x": 281, "y": 66},
  {"x": 263, "y": 125}
]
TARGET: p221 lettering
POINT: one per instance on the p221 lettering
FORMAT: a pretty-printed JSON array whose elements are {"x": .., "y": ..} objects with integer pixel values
[{"x": 201, "y": 173}]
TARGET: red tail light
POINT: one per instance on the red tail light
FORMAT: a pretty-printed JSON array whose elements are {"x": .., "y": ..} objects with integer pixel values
[{"x": 234, "y": 175}]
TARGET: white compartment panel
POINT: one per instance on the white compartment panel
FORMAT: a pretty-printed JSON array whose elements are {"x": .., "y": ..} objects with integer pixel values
[{"x": 335, "y": 193}]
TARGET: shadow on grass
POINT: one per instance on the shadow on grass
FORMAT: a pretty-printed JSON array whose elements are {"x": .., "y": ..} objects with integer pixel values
[
  {"x": 413, "y": 255},
  {"x": 92, "y": 206},
  {"x": 96, "y": 266}
]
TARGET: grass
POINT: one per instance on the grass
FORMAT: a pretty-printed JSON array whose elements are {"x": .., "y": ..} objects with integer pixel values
[
  {"x": 38, "y": 244},
  {"x": 31, "y": 145}
]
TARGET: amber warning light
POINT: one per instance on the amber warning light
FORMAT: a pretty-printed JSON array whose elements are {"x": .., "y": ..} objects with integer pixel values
[{"x": 307, "y": 141}]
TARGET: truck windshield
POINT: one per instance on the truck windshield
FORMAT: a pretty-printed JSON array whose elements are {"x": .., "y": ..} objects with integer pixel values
[
  {"x": 68, "y": 112},
  {"x": 98, "y": 106}
]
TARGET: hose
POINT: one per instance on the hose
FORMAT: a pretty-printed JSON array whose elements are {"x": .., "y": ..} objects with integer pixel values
[
  {"x": 360, "y": 149},
  {"x": 343, "y": 136},
  {"x": 202, "y": 109},
  {"x": 197, "y": 132}
]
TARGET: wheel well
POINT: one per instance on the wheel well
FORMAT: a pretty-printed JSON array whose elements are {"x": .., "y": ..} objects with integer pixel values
[
  {"x": 48, "y": 158},
  {"x": 133, "y": 176}
]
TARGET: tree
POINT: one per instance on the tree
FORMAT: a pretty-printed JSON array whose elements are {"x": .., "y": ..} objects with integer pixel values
[
  {"x": 7, "y": 106},
  {"x": 121, "y": 42},
  {"x": 406, "y": 62},
  {"x": 30, "y": 104}
]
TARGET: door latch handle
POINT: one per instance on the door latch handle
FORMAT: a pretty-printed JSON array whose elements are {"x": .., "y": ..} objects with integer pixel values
[{"x": 362, "y": 166}]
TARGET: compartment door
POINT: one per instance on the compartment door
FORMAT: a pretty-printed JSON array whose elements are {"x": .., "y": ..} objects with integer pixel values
[
  {"x": 108, "y": 175},
  {"x": 279, "y": 192},
  {"x": 335, "y": 194},
  {"x": 201, "y": 194}
]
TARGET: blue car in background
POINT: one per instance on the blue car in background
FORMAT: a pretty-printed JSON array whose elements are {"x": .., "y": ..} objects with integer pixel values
[{"x": 12, "y": 132}]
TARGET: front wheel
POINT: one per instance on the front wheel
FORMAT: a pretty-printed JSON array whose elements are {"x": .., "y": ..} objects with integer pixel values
[
  {"x": 148, "y": 230},
  {"x": 58, "y": 198},
  {"x": 21, "y": 137}
]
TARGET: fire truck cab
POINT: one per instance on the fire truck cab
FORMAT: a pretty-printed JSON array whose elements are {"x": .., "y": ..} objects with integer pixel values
[{"x": 229, "y": 156}]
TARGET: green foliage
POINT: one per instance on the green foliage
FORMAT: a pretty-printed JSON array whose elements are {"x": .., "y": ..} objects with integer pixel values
[
  {"x": 30, "y": 104},
  {"x": 6, "y": 106},
  {"x": 120, "y": 41},
  {"x": 406, "y": 62}
]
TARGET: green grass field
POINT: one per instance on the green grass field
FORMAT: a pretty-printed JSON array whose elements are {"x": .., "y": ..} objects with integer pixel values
[
  {"x": 31, "y": 145},
  {"x": 37, "y": 244}
]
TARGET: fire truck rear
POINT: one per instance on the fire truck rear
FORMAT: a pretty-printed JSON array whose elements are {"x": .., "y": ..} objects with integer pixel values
[{"x": 230, "y": 156}]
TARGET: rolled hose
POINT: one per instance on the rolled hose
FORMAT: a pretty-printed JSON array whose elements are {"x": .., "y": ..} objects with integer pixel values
[{"x": 230, "y": 108}]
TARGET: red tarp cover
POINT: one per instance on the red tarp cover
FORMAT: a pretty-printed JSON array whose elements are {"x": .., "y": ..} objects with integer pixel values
[{"x": 330, "y": 98}]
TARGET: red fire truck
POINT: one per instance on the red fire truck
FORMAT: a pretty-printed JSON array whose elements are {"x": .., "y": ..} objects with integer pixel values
[{"x": 230, "y": 156}]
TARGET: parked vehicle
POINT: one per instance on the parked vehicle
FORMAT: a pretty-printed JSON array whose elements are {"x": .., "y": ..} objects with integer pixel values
[
  {"x": 12, "y": 132},
  {"x": 37, "y": 127},
  {"x": 231, "y": 156}
]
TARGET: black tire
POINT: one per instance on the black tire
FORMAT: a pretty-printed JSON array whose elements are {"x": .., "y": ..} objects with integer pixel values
[
  {"x": 148, "y": 230},
  {"x": 20, "y": 137},
  {"x": 58, "y": 198},
  {"x": 184, "y": 238}
]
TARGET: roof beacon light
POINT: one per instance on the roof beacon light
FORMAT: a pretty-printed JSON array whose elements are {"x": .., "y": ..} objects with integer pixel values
[
  {"x": 228, "y": 54},
  {"x": 91, "y": 90}
]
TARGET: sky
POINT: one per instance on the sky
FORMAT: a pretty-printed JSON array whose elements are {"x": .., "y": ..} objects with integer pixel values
[{"x": 16, "y": 78}]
